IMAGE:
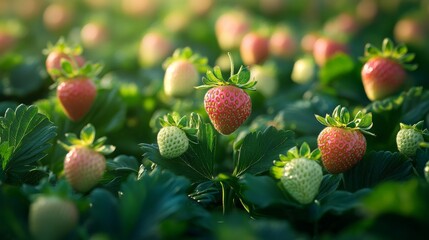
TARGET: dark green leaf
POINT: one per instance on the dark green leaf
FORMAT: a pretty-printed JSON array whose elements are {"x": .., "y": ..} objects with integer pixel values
[
  {"x": 104, "y": 212},
  {"x": 259, "y": 149},
  {"x": 340, "y": 64},
  {"x": 378, "y": 167},
  {"x": 243, "y": 75},
  {"x": 329, "y": 184},
  {"x": 29, "y": 133},
  {"x": 66, "y": 67},
  {"x": 339, "y": 202}
]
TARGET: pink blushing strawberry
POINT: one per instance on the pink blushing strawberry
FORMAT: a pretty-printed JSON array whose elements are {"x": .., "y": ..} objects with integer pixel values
[
  {"x": 62, "y": 51},
  {"x": 226, "y": 103},
  {"x": 228, "y": 107},
  {"x": 254, "y": 48},
  {"x": 325, "y": 48},
  {"x": 383, "y": 73},
  {"x": 76, "y": 96},
  {"x": 85, "y": 164},
  {"x": 342, "y": 143},
  {"x": 230, "y": 29}
]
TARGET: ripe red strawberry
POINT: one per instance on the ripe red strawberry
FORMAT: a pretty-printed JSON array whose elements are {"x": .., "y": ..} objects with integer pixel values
[
  {"x": 299, "y": 173},
  {"x": 52, "y": 217},
  {"x": 342, "y": 143},
  {"x": 84, "y": 164},
  {"x": 254, "y": 48},
  {"x": 226, "y": 103},
  {"x": 61, "y": 50},
  {"x": 76, "y": 96},
  {"x": 383, "y": 73},
  {"x": 183, "y": 72},
  {"x": 325, "y": 48},
  {"x": 282, "y": 43}
]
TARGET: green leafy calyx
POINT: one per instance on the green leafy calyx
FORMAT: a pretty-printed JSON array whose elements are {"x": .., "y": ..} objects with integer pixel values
[
  {"x": 63, "y": 47},
  {"x": 241, "y": 79},
  {"x": 87, "y": 139},
  {"x": 341, "y": 118},
  {"x": 398, "y": 53},
  {"x": 69, "y": 70},
  {"x": 186, "y": 53},
  {"x": 294, "y": 153},
  {"x": 184, "y": 123}
]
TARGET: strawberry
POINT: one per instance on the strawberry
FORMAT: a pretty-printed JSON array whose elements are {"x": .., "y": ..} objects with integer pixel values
[
  {"x": 383, "y": 73},
  {"x": 299, "y": 173},
  {"x": 76, "y": 91},
  {"x": 94, "y": 34},
  {"x": 230, "y": 29},
  {"x": 226, "y": 103},
  {"x": 325, "y": 48},
  {"x": 58, "y": 16},
  {"x": 410, "y": 30},
  {"x": 174, "y": 137},
  {"x": 267, "y": 81},
  {"x": 282, "y": 43},
  {"x": 254, "y": 48},
  {"x": 342, "y": 143},
  {"x": 182, "y": 72},
  {"x": 154, "y": 49},
  {"x": 410, "y": 137},
  {"x": 61, "y": 50},
  {"x": 84, "y": 164},
  {"x": 303, "y": 70},
  {"x": 52, "y": 217}
]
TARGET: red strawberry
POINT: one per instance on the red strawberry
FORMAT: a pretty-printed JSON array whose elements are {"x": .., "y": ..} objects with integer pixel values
[
  {"x": 282, "y": 43},
  {"x": 52, "y": 217},
  {"x": 94, "y": 34},
  {"x": 227, "y": 104},
  {"x": 254, "y": 48},
  {"x": 61, "y": 50},
  {"x": 154, "y": 48},
  {"x": 76, "y": 96},
  {"x": 410, "y": 31},
  {"x": 342, "y": 143},
  {"x": 383, "y": 74},
  {"x": 325, "y": 48},
  {"x": 7, "y": 41},
  {"x": 58, "y": 16},
  {"x": 84, "y": 164}
]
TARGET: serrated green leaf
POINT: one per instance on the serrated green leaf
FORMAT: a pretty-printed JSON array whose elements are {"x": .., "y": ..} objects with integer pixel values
[
  {"x": 87, "y": 134},
  {"x": 258, "y": 150},
  {"x": 378, "y": 167},
  {"x": 29, "y": 133},
  {"x": 5, "y": 153}
]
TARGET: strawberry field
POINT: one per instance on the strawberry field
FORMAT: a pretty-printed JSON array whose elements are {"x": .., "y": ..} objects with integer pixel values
[{"x": 214, "y": 119}]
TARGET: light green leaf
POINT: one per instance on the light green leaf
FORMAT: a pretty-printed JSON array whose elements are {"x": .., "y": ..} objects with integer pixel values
[{"x": 87, "y": 134}]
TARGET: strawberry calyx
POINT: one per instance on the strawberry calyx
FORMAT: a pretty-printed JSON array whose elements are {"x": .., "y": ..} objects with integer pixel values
[
  {"x": 341, "y": 118},
  {"x": 62, "y": 46},
  {"x": 182, "y": 122},
  {"x": 398, "y": 53},
  {"x": 186, "y": 53},
  {"x": 303, "y": 151},
  {"x": 87, "y": 139},
  {"x": 241, "y": 79},
  {"x": 418, "y": 127},
  {"x": 69, "y": 71}
]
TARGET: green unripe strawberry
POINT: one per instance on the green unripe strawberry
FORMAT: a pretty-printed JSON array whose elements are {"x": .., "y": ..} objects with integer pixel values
[
  {"x": 173, "y": 138},
  {"x": 84, "y": 164},
  {"x": 52, "y": 217},
  {"x": 426, "y": 171},
  {"x": 172, "y": 142},
  {"x": 410, "y": 137},
  {"x": 300, "y": 173},
  {"x": 342, "y": 143}
]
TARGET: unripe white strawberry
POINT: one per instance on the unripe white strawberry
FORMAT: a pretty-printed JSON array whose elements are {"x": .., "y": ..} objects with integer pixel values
[
  {"x": 84, "y": 164},
  {"x": 51, "y": 217},
  {"x": 172, "y": 142},
  {"x": 182, "y": 72},
  {"x": 303, "y": 70},
  {"x": 267, "y": 83},
  {"x": 300, "y": 173},
  {"x": 180, "y": 79},
  {"x": 174, "y": 137}
]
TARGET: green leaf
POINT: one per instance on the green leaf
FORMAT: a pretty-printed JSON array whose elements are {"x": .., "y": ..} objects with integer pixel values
[
  {"x": 197, "y": 163},
  {"x": 387, "y": 47},
  {"x": 87, "y": 134},
  {"x": 243, "y": 75},
  {"x": 378, "y": 167},
  {"x": 218, "y": 72},
  {"x": 340, "y": 202},
  {"x": 5, "y": 153},
  {"x": 29, "y": 133},
  {"x": 329, "y": 184},
  {"x": 304, "y": 150},
  {"x": 340, "y": 64},
  {"x": 259, "y": 149},
  {"x": 66, "y": 67},
  {"x": 104, "y": 221},
  {"x": 156, "y": 199}
]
